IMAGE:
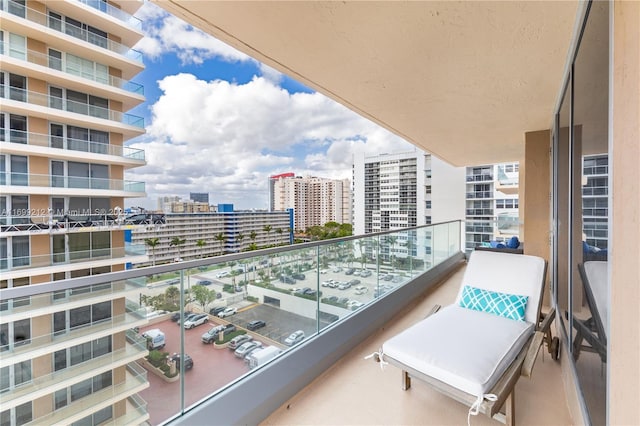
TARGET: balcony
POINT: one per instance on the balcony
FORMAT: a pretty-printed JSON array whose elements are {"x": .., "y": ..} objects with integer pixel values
[
  {"x": 344, "y": 328},
  {"x": 58, "y": 71},
  {"x": 113, "y": 255},
  {"x": 119, "y": 14},
  {"x": 29, "y": 183},
  {"x": 81, "y": 33},
  {"x": 62, "y": 147},
  {"x": 59, "y": 103}
]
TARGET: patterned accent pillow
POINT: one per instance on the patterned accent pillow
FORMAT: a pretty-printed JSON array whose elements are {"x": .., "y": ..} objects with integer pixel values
[{"x": 505, "y": 305}]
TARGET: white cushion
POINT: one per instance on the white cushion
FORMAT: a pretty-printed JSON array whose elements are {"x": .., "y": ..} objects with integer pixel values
[
  {"x": 469, "y": 350},
  {"x": 507, "y": 273}
]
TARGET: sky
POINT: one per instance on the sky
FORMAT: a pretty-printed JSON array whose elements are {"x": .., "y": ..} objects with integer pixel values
[{"x": 218, "y": 121}]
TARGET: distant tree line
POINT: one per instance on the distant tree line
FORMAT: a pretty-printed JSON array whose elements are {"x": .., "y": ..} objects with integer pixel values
[{"x": 329, "y": 230}]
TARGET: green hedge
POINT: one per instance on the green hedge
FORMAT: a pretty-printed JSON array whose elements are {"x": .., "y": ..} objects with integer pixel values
[{"x": 229, "y": 336}]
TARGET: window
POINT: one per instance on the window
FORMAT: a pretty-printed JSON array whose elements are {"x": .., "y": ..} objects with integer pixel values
[
  {"x": 15, "y": 375},
  {"x": 64, "y": 321},
  {"x": 78, "y": 102},
  {"x": 20, "y": 415},
  {"x": 15, "y": 333}
]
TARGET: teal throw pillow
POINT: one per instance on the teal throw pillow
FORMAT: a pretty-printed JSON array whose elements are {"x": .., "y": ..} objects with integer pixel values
[{"x": 505, "y": 305}]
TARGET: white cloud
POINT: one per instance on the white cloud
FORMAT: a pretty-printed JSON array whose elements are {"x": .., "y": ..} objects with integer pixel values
[
  {"x": 165, "y": 33},
  {"x": 226, "y": 139}
]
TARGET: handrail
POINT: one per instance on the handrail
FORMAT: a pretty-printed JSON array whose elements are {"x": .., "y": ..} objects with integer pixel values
[
  {"x": 71, "y": 283},
  {"x": 40, "y": 18},
  {"x": 71, "y": 144},
  {"x": 119, "y": 14},
  {"x": 45, "y": 60},
  {"x": 30, "y": 97},
  {"x": 78, "y": 182}
]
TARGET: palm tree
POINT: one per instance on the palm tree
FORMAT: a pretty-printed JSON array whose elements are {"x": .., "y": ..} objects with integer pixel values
[
  {"x": 267, "y": 229},
  {"x": 391, "y": 240},
  {"x": 239, "y": 239},
  {"x": 253, "y": 235},
  {"x": 221, "y": 238},
  {"x": 201, "y": 244},
  {"x": 279, "y": 232},
  {"x": 177, "y": 242},
  {"x": 152, "y": 242}
]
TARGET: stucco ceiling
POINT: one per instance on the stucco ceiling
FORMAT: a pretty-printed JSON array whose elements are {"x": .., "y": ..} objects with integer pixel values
[{"x": 462, "y": 80}]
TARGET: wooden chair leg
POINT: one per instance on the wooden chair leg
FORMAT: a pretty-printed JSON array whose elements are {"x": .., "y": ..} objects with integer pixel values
[
  {"x": 510, "y": 408},
  {"x": 406, "y": 380}
]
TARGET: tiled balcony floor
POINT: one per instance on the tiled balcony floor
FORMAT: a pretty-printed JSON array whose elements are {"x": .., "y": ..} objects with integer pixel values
[{"x": 356, "y": 392}]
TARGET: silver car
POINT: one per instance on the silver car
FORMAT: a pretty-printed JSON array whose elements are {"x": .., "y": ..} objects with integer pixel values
[{"x": 246, "y": 348}]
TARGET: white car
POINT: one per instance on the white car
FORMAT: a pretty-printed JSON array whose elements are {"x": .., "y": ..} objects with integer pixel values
[
  {"x": 295, "y": 337},
  {"x": 196, "y": 320},
  {"x": 354, "y": 304},
  {"x": 228, "y": 312},
  {"x": 222, "y": 274},
  {"x": 361, "y": 289}
]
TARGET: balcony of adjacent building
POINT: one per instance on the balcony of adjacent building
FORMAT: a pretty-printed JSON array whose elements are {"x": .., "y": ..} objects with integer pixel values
[
  {"x": 71, "y": 35},
  {"x": 71, "y": 107},
  {"x": 508, "y": 178},
  {"x": 63, "y": 69},
  {"x": 340, "y": 327},
  {"x": 35, "y": 184},
  {"x": 63, "y": 147},
  {"x": 18, "y": 263}
]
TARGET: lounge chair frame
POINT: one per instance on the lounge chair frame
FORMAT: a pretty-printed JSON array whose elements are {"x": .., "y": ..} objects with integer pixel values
[
  {"x": 504, "y": 389},
  {"x": 592, "y": 329}
]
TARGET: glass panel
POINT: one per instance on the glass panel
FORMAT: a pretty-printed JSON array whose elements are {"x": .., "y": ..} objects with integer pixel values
[
  {"x": 56, "y": 132},
  {"x": 590, "y": 303},
  {"x": 57, "y": 174},
  {"x": 19, "y": 170},
  {"x": 17, "y": 46},
  {"x": 78, "y": 175},
  {"x": 55, "y": 59}
]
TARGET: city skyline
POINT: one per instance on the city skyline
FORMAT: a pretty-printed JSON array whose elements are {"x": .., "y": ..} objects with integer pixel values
[{"x": 205, "y": 100}]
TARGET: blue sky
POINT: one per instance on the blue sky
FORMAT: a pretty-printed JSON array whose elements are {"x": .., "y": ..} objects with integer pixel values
[{"x": 218, "y": 121}]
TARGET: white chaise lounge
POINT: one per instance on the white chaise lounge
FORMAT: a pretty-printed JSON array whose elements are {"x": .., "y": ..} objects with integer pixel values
[{"x": 474, "y": 349}]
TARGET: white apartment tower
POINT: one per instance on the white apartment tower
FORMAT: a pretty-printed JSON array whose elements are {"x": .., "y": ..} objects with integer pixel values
[
  {"x": 491, "y": 204},
  {"x": 315, "y": 200},
  {"x": 401, "y": 190},
  {"x": 65, "y": 89}
]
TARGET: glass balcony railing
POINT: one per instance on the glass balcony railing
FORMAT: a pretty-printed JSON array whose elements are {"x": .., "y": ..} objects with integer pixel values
[
  {"x": 39, "y": 261},
  {"x": 83, "y": 32},
  {"x": 282, "y": 299},
  {"x": 59, "y": 64},
  {"x": 22, "y": 95},
  {"x": 119, "y": 14},
  {"x": 54, "y": 181},
  {"x": 62, "y": 142}
]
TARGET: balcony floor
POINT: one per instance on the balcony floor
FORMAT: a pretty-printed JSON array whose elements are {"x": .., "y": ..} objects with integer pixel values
[{"x": 356, "y": 391}]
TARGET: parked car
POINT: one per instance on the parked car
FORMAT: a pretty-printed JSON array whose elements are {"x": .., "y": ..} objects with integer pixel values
[
  {"x": 246, "y": 348},
  {"x": 365, "y": 273},
  {"x": 188, "y": 361},
  {"x": 298, "y": 276},
  {"x": 349, "y": 271},
  {"x": 176, "y": 317},
  {"x": 212, "y": 334},
  {"x": 185, "y": 318},
  {"x": 204, "y": 282},
  {"x": 294, "y": 338},
  {"x": 229, "y": 328},
  {"x": 238, "y": 341},
  {"x": 354, "y": 281},
  {"x": 227, "y": 312},
  {"x": 354, "y": 304},
  {"x": 344, "y": 286},
  {"x": 215, "y": 311},
  {"x": 256, "y": 324},
  {"x": 287, "y": 279},
  {"x": 174, "y": 281},
  {"x": 196, "y": 321},
  {"x": 333, "y": 299},
  {"x": 361, "y": 289},
  {"x": 222, "y": 274}
]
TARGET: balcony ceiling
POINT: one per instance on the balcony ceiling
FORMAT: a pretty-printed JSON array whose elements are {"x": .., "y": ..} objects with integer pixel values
[{"x": 463, "y": 80}]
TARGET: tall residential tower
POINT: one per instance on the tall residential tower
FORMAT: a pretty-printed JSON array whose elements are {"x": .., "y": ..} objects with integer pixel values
[{"x": 65, "y": 90}]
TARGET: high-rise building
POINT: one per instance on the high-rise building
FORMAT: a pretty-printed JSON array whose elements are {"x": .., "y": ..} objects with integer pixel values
[
  {"x": 65, "y": 90},
  {"x": 164, "y": 203},
  {"x": 315, "y": 200},
  {"x": 272, "y": 181},
  {"x": 491, "y": 204},
  {"x": 200, "y": 197},
  {"x": 401, "y": 190},
  {"x": 223, "y": 232}
]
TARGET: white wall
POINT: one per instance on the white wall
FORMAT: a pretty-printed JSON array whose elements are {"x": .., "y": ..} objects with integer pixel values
[{"x": 447, "y": 191}]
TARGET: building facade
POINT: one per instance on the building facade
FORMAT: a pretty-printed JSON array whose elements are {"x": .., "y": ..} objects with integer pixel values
[
  {"x": 401, "y": 190},
  {"x": 65, "y": 90},
  {"x": 200, "y": 197},
  {"x": 491, "y": 204},
  {"x": 315, "y": 200},
  {"x": 214, "y": 234}
]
